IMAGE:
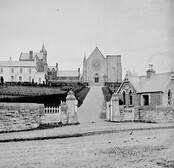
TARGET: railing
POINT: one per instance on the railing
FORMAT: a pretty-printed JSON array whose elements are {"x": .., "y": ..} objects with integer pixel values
[{"x": 52, "y": 110}]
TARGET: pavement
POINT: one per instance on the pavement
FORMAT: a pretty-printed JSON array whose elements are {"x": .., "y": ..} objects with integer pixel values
[{"x": 84, "y": 129}]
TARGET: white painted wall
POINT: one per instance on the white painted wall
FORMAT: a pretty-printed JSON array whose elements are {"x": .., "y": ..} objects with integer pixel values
[{"x": 25, "y": 74}]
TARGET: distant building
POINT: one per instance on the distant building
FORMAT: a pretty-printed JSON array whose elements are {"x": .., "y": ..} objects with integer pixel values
[
  {"x": 52, "y": 72},
  {"x": 31, "y": 67},
  {"x": 150, "y": 90},
  {"x": 98, "y": 70},
  {"x": 39, "y": 57},
  {"x": 68, "y": 76}
]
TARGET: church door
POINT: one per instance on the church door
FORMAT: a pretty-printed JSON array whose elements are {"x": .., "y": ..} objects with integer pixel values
[{"x": 96, "y": 79}]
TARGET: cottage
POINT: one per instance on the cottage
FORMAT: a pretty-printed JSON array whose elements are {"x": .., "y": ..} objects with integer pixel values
[{"x": 150, "y": 90}]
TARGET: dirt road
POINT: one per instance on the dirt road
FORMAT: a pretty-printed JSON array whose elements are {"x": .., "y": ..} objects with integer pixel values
[{"x": 150, "y": 148}]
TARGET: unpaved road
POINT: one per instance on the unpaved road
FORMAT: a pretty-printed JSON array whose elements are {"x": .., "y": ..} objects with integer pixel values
[{"x": 150, "y": 148}]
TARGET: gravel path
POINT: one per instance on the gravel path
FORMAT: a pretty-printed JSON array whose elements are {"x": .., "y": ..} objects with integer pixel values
[
  {"x": 92, "y": 106},
  {"x": 148, "y": 148}
]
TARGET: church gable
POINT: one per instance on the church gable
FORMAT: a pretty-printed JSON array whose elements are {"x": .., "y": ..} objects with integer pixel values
[
  {"x": 96, "y": 54},
  {"x": 126, "y": 87}
]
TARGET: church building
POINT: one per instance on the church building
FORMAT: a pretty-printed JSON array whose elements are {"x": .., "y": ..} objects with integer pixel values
[{"x": 100, "y": 70}]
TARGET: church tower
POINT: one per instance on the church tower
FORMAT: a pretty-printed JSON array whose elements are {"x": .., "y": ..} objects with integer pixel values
[{"x": 44, "y": 54}]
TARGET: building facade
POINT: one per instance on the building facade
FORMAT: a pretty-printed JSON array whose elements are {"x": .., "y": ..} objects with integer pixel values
[
  {"x": 98, "y": 70},
  {"x": 150, "y": 90},
  {"x": 31, "y": 67}
]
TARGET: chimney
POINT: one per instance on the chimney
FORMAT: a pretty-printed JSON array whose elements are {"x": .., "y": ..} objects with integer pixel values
[
  {"x": 150, "y": 72},
  {"x": 31, "y": 55},
  {"x": 57, "y": 66},
  {"x": 79, "y": 72}
]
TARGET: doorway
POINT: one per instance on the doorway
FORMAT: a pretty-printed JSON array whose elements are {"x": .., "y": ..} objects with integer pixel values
[{"x": 96, "y": 80}]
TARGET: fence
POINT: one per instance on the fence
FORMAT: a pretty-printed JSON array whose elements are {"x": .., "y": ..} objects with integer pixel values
[{"x": 52, "y": 110}]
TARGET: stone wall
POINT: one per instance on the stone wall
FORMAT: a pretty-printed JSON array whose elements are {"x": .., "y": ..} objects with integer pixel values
[
  {"x": 20, "y": 116},
  {"x": 156, "y": 113},
  {"x": 155, "y": 99}
]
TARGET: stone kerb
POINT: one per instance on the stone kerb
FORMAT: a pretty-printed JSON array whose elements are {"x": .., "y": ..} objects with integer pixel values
[
  {"x": 71, "y": 111},
  {"x": 20, "y": 116}
]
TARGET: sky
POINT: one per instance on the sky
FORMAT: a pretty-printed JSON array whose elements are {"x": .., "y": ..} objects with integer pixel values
[{"x": 141, "y": 31}]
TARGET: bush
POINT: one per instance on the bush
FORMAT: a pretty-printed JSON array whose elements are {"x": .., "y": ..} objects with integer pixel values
[{"x": 107, "y": 93}]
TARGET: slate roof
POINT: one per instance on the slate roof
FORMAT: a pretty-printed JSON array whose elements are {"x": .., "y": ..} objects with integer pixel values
[
  {"x": 68, "y": 73},
  {"x": 51, "y": 67},
  {"x": 17, "y": 64},
  {"x": 25, "y": 56},
  {"x": 157, "y": 83},
  {"x": 95, "y": 52}
]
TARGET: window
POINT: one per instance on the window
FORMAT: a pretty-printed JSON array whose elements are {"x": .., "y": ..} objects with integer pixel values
[
  {"x": 20, "y": 78},
  {"x": 12, "y": 78},
  {"x": 21, "y": 70},
  {"x": 169, "y": 97},
  {"x": 1, "y": 70},
  {"x": 12, "y": 70},
  {"x": 130, "y": 97},
  {"x": 29, "y": 70},
  {"x": 96, "y": 80},
  {"x": 29, "y": 78},
  {"x": 145, "y": 100},
  {"x": 124, "y": 98}
]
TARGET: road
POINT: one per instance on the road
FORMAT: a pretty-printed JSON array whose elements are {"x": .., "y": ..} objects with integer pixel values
[{"x": 147, "y": 148}]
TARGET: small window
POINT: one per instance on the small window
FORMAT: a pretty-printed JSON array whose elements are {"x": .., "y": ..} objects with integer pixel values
[
  {"x": 1, "y": 70},
  {"x": 130, "y": 97},
  {"x": 29, "y": 70},
  {"x": 145, "y": 100},
  {"x": 96, "y": 80},
  {"x": 20, "y": 78},
  {"x": 12, "y": 78},
  {"x": 21, "y": 70},
  {"x": 169, "y": 97},
  {"x": 12, "y": 70},
  {"x": 124, "y": 98}
]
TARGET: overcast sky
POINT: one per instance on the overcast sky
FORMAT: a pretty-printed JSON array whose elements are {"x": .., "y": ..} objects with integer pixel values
[{"x": 142, "y": 31}]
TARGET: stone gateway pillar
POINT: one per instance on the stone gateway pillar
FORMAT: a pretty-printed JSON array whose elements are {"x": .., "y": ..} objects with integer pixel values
[
  {"x": 63, "y": 115},
  {"x": 71, "y": 111},
  {"x": 115, "y": 112}
]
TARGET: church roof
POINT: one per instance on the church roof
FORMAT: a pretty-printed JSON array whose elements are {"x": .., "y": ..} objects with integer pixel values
[
  {"x": 26, "y": 56},
  {"x": 17, "y": 64},
  {"x": 68, "y": 73},
  {"x": 51, "y": 68},
  {"x": 96, "y": 52},
  {"x": 157, "y": 83}
]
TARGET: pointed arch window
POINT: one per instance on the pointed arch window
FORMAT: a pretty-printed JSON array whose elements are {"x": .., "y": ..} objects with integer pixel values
[
  {"x": 124, "y": 98},
  {"x": 130, "y": 97},
  {"x": 169, "y": 97}
]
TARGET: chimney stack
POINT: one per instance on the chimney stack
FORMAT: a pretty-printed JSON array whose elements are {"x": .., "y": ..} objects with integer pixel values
[
  {"x": 31, "y": 55},
  {"x": 150, "y": 72},
  {"x": 79, "y": 72}
]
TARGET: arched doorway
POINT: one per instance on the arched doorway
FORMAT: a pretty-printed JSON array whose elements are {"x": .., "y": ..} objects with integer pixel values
[{"x": 96, "y": 78}]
